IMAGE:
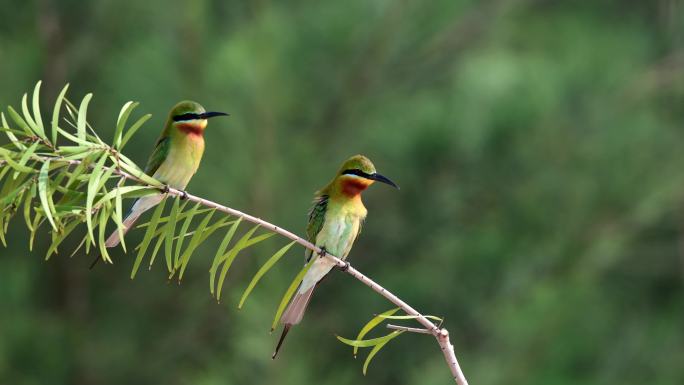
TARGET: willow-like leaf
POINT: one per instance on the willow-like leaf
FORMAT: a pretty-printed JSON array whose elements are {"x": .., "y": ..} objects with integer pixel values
[
  {"x": 371, "y": 324},
  {"x": 369, "y": 342},
  {"x": 404, "y": 317},
  {"x": 118, "y": 217},
  {"x": 82, "y": 111},
  {"x": 184, "y": 229},
  {"x": 105, "y": 212},
  {"x": 27, "y": 206},
  {"x": 194, "y": 242},
  {"x": 148, "y": 236},
  {"x": 12, "y": 163},
  {"x": 37, "y": 221},
  {"x": 55, "y": 114},
  {"x": 121, "y": 121},
  {"x": 263, "y": 270},
  {"x": 75, "y": 139},
  {"x": 290, "y": 292},
  {"x": 135, "y": 171},
  {"x": 45, "y": 197},
  {"x": 11, "y": 133},
  {"x": 377, "y": 348},
  {"x": 27, "y": 115},
  {"x": 25, "y": 157},
  {"x": 121, "y": 191},
  {"x": 59, "y": 236},
  {"x": 132, "y": 130},
  {"x": 19, "y": 121},
  {"x": 93, "y": 184},
  {"x": 219, "y": 253},
  {"x": 243, "y": 243},
  {"x": 171, "y": 231},
  {"x": 160, "y": 240},
  {"x": 40, "y": 129}
]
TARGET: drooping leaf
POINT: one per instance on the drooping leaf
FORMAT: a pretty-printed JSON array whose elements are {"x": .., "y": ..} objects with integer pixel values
[
  {"x": 121, "y": 122},
  {"x": 368, "y": 342},
  {"x": 19, "y": 120},
  {"x": 40, "y": 129},
  {"x": 263, "y": 270},
  {"x": 59, "y": 236},
  {"x": 25, "y": 157},
  {"x": 171, "y": 231},
  {"x": 377, "y": 348},
  {"x": 148, "y": 236},
  {"x": 93, "y": 184},
  {"x": 82, "y": 111},
  {"x": 105, "y": 212},
  {"x": 45, "y": 197},
  {"x": 27, "y": 116},
  {"x": 184, "y": 229},
  {"x": 11, "y": 133},
  {"x": 219, "y": 253},
  {"x": 56, "y": 112},
  {"x": 228, "y": 259},
  {"x": 194, "y": 242},
  {"x": 371, "y": 324}
]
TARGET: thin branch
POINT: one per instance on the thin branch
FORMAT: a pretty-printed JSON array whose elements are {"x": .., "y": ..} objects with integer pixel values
[
  {"x": 440, "y": 334},
  {"x": 408, "y": 329}
]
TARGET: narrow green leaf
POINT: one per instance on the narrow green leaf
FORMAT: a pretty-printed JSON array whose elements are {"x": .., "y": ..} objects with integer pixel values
[
  {"x": 93, "y": 184},
  {"x": 377, "y": 348},
  {"x": 74, "y": 139},
  {"x": 371, "y": 324},
  {"x": 118, "y": 217},
  {"x": 194, "y": 242},
  {"x": 27, "y": 206},
  {"x": 404, "y": 317},
  {"x": 10, "y": 133},
  {"x": 55, "y": 114},
  {"x": 148, "y": 236},
  {"x": 160, "y": 240},
  {"x": 232, "y": 254},
  {"x": 133, "y": 170},
  {"x": 290, "y": 291},
  {"x": 40, "y": 129},
  {"x": 43, "y": 193},
  {"x": 18, "y": 120},
  {"x": 105, "y": 212},
  {"x": 263, "y": 270},
  {"x": 15, "y": 165},
  {"x": 184, "y": 229},
  {"x": 121, "y": 121},
  {"x": 25, "y": 157},
  {"x": 131, "y": 131},
  {"x": 171, "y": 231},
  {"x": 82, "y": 111},
  {"x": 58, "y": 237},
  {"x": 219, "y": 253},
  {"x": 27, "y": 115},
  {"x": 119, "y": 191},
  {"x": 368, "y": 342}
]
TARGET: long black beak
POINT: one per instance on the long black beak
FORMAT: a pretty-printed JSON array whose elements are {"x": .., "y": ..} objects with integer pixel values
[
  {"x": 383, "y": 179},
  {"x": 208, "y": 115}
]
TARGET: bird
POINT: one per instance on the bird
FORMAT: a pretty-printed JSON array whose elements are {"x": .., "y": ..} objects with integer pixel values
[
  {"x": 176, "y": 157},
  {"x": 335, "y": 221}
]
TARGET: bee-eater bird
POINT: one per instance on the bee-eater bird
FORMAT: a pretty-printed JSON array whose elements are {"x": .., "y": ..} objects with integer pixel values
[
  {"x": 334, "y": 223},
  {"x": 176, "y": 156}
]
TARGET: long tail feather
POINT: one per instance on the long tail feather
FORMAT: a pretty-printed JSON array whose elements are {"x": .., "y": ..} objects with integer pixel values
[{"x": 293, "y": 315}]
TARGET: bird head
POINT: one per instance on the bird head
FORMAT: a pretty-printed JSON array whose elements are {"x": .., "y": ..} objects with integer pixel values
[
  {"x": 356, "y": 174},
  {"x": 190, "y": 117}
]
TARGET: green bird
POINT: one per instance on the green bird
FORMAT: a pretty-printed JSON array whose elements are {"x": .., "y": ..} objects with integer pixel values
[
  {"x": 176, "y": 156},
  {"x": 335, "y": 221}
]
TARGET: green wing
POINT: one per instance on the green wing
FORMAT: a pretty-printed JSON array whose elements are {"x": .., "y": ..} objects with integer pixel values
[
  {"x": 316, "y": 218},
  {"x": 161, "y": 151}
]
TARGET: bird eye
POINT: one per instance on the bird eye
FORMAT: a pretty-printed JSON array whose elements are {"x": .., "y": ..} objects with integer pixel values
[
  {"x": 355, "y": 171},
  {"x": 186, "y": 116}
]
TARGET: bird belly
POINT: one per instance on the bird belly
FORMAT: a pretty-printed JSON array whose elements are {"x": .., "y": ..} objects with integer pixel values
[{"x": 179, "y": 166}]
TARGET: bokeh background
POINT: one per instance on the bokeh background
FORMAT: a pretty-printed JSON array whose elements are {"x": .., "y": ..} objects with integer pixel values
[{"x": 538, "y": 145}]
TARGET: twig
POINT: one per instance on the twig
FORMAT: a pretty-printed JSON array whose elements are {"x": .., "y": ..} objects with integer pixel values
[
  {"x": 408, "y": 329},
  {"x": 440, "y": 334}
]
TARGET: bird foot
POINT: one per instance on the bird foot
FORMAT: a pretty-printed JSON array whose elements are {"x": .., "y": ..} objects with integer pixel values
[
  {"x": 344, "y": 267},
  {"x": 184, "y": 195},
  {"x": 165, "y": 189},
  {"x": 323, "y": 252}
]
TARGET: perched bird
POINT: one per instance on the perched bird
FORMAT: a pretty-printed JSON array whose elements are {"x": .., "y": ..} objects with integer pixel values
[
  {"x": 176, "y": 156},
  {"x": 334, "y": 223}
]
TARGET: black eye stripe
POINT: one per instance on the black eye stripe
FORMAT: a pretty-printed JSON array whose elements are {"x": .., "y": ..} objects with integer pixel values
[
  {"x": 357, "y": 172},
  {"x": 186, "y": 116}
]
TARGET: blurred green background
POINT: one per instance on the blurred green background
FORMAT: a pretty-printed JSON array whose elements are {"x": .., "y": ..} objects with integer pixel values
[{"x": 538, "y": 145}]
